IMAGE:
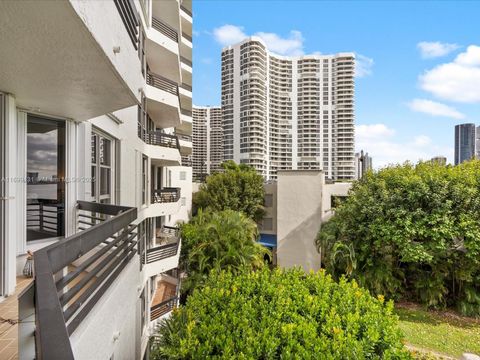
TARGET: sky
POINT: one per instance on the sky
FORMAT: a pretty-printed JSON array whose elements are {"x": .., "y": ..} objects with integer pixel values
[{"x": 418, "y": 63}]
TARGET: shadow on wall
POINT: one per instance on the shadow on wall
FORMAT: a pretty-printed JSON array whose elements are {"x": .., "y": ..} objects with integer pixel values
[{"x": 298, "y": 248}]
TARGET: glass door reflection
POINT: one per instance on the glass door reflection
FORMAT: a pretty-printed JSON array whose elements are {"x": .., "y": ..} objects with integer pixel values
[{"x": 45, "y": 178}]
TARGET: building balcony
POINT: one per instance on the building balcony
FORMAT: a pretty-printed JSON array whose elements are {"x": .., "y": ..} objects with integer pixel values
[
  {"x": 165, "y": 298},
  {"x": 162, "y": 49},
  {"x": 185, "y": 144},
  {"x": 163, "y": 149},
  {"x": 163, "y": 104},
  {"x": 69, "y": 37},
  {"x": 185, "y": 92},
  {"x": 76, "y": 286},
  {"x": 186, "y": 69},
  {"x": 164, "y": 254},
  {"x": 186, "y": 117},
  {"x": 163, "y": 202}
]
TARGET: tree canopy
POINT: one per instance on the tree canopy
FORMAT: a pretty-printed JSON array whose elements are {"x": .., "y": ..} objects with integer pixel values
[
  {"x": 237, "y": 187},
  {"x": 224, "y": 240},
  {"x": 280, "y": 315},
  {"x": 411, "y": 232}
]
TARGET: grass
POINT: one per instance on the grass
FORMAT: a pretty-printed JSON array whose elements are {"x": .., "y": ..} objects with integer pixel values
[{"x": 442, "y": 332}]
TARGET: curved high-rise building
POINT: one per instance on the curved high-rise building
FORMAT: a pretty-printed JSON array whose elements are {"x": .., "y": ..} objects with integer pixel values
[{"x": 282, "y": 113}]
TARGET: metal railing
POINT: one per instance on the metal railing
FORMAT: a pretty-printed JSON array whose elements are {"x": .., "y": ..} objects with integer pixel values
[
  {"x": 186, "y": 112},
  {"x": 186, "y": 61},
  {"x": 187, "y": 161},
  {"x": 162, "y": 83},
  {"x": 165, "y": 29},
  {"x": 128, "y": 13},
  {"x": 165, "y": 195},
  {"x": 159, "y": 138},
  {"x": 188, "y": 37},
  {"x": 186, "y": 10},
  {"x": 163, "y": 308},
  {"x": 184, "y": 137},
  {"x": 46, "y": 215},
  {"x": 64, "y": 294}
]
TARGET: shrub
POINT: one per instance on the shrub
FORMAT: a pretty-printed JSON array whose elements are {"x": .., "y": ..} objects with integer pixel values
[
  {"x": 280, "y": 314},
  {"x": 411, "y": 232}
]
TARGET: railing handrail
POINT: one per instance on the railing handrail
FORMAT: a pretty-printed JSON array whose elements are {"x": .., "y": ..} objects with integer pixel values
[
  {"x": 162, "y": 83},
  {"x": 186, "y": 10},
  {"x": 186, "y": 61},
  {"x": 165, "y": 29},
  {"x": 52, "y": 336},
  {"x": 157, "y": 137}
]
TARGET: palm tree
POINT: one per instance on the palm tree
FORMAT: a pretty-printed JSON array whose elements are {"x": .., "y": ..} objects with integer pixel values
[{"x": 224, "y": 240}]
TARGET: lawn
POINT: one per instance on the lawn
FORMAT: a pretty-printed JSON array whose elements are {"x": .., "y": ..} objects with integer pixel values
[{"x": 441, "y": 332}]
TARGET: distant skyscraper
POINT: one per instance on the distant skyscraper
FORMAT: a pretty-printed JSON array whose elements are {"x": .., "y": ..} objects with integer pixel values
[
  {"x": 465, "y": 140},
  {"x": 207, "y": 140},
  {"x": 363, "y": 163},
  {"x": 288, "y": 113}
]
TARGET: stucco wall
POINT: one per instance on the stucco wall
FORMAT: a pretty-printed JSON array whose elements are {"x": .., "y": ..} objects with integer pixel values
[{"x": 299, "y": 214}]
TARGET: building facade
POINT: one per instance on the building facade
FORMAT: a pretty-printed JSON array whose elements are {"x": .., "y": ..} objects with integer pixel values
[
  {"x": 465, "y": 142},
  {"x": 95, "y": 120},
  {"x": 296, "y": 205},
  {"x": 283, "y": 113},
  {"x": 207, "y": 140},
  {"x": 363, "y": 163}
]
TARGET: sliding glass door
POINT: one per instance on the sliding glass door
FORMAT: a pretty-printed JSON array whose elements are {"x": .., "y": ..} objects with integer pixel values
[{"x": 45, "y": 178}]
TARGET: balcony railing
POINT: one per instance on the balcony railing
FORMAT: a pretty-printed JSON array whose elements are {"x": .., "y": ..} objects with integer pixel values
[
  {"x": 186, "y": 61},
  {"x": 165, "y": 195},
  {"x": 184, "y": 137},
  {"x": 163, "y": 308},
  {"x": 186, "y": 112},
  {"x": 46, "y": 215},
  {"x": 165, "y": 29},
  {"x": 187, "y": 87},
  {"x": 186, "y": 10},
  {"x": 187, "y": 161},
  {"x": 67, "y": 284},
  {"x": 127, "y": 12},
  {"x": 162, "y": 83},
  {"x": 159, "y": 138},
  {"x": 189, "y": 38}
]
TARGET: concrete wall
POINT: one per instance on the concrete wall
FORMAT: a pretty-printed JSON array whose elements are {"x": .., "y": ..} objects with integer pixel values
[
  {"x": 299, "y": 215},
  {"x": 331, "y": 190}
]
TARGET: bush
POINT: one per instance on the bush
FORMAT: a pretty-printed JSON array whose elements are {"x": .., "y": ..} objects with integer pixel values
[
  {"x": 280, "y": 314},
  {"x": 413, "y": 233}
]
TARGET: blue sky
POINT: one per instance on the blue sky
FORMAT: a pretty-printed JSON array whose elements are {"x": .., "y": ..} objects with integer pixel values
[{"x": 419, "y": 71}]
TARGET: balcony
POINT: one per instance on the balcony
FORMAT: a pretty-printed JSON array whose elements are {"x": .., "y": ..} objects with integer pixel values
[
  {"x": 72, "y": 279},
  {"x": 162, "y": 47},
  {"x": 185, "y": 144},
  {"x": 165, "y": 252},
  {"x": 163, "y": 149},
  {"x": 162, "y": 101},
  {"x": 166, "y": 195},
  {"x": 163, "y": 202},
  {"x": 159, "y": 138},
  {"x": 185, "y": 92},
  {"x": 69, "y": 37},
  {"x": 165, "y": 298}
]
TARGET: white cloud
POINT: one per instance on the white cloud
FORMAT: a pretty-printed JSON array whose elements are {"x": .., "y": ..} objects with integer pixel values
[
  {"x": 435, "y": 49},
  {"x": 229, "y": 34},
  {"x": 384, "y": 148},
  {"x": 456, "y": 81},
  {"x": 206, "y": 61},
  {"x": 434, "y": 108},
  {"x": 290, "y": 46},
  {"x": 363, "y": 65},
  {"x": 373, "y": 131}
]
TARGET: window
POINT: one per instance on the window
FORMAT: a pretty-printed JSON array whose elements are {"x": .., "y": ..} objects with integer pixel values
[
  {"x": 183, "y": 175},
  {"x": 268, "y": 200},
  {"x": 183, "y": 201},
  {"x": 102, "y": 151},
  {"x": 267, "y": 224}
]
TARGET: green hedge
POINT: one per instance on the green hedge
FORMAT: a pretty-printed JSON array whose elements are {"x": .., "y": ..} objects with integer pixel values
[{"x": 275, "y": 314}]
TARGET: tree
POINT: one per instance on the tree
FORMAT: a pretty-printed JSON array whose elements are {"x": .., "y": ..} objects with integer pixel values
[
  {"x": 238, "y": 187},
  {"x": 413, "y": 233},
  {"x": 224, "y": 240},
  {"x": 280, "y": 315}
]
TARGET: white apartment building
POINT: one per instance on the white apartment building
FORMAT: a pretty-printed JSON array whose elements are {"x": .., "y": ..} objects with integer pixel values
[
  {"x": 283, "y": 113},
  {"x": 207, "y": 140},
  {"x": 95, "y": 117}
]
